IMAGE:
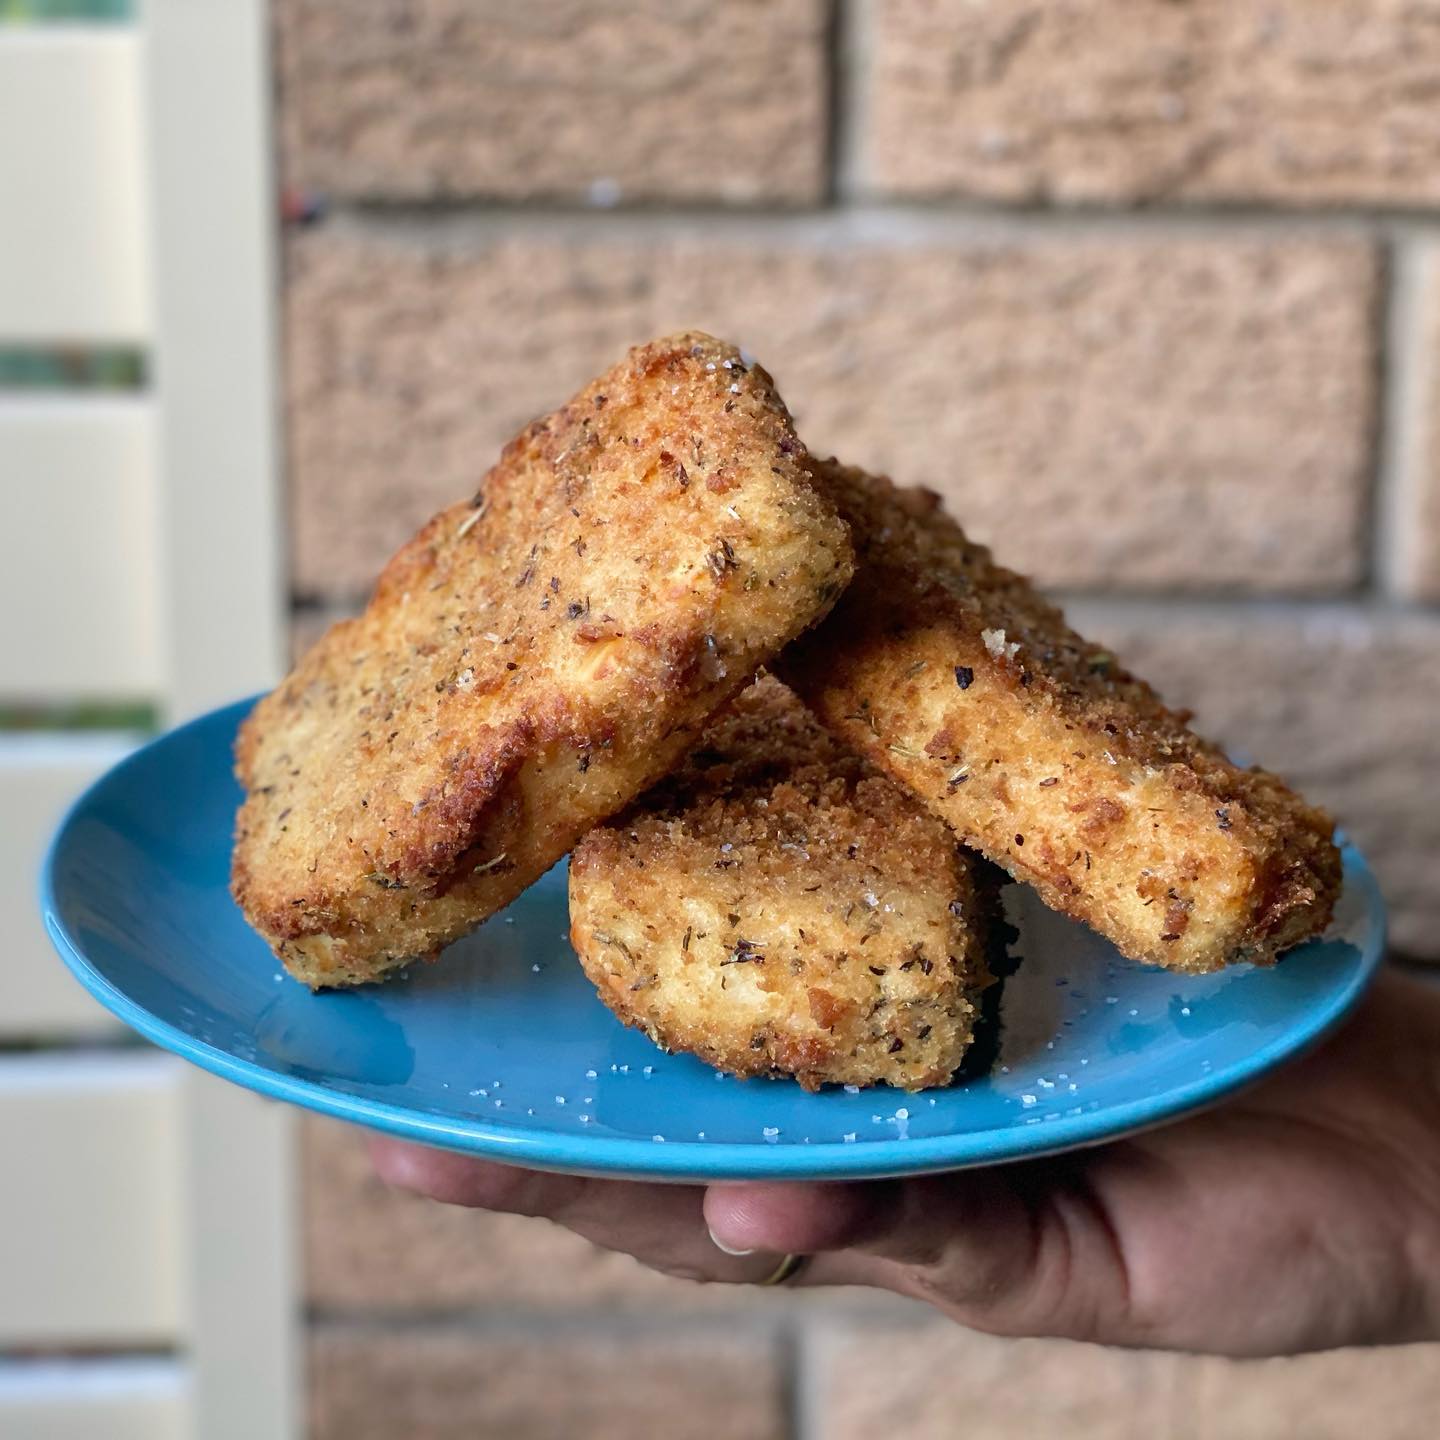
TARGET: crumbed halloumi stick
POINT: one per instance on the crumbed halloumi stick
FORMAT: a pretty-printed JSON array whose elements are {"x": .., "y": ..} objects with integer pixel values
[
  {"x": 778, "y": 907},
  {"x": 954, "y": 676},
  {"x": 533, "y": 659}
]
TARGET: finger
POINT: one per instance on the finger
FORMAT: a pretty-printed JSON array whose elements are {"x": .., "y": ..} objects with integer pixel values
[
  {"x": 798, "y": 1219},
  {"x": 882, "y": 1233},
  {"x": 910, "y": 1223},
  {"x": 662, "y": 1226},
  {"x": 462, "y": 1180},
  {"x": 1022, "y": 1250},
  {"x": 1015, "y": 1251}
]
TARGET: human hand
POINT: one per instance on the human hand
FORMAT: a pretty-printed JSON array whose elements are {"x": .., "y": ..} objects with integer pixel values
[{"x": 1302, "y": 1215}]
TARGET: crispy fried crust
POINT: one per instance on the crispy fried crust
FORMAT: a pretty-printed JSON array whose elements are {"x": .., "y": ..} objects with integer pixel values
[
  {"x": 530, "y": 661},
  {"x": 777, "y": 907},
  {"x": 1040, "y": 750}
]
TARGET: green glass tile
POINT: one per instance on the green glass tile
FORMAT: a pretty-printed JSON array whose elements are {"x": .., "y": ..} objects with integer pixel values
[
  {"x": 132, "y": 715},
  {"x": 31, "y": 11},
  {"x": 71, "y": 367}
]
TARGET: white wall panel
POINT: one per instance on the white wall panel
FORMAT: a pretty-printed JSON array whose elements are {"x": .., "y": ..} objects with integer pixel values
[
  {"x": 148, "y": 1206},
  {"x": 91, "y": 1245},
  {"x": 79, "y": 547},
  {"x": 38, "y": 779},
  {"x": 72, "y": 191}
]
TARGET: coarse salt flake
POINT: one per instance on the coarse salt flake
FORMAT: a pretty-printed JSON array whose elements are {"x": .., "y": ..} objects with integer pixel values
[{"x": 996, "y": 644}]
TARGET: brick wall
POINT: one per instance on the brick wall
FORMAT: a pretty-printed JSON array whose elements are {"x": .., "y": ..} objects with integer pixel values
[{"x": 1149, "y": 291}]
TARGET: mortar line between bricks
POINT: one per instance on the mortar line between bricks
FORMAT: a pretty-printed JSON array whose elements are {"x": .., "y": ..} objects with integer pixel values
[
  {"x": 1377, "y": 422},
  {"x": 1363, "y": 605},
  {"x": 1415, "y": 966},
  {"x": 805, "y": 1412},
  {"x": 310, "y": 606},
  {"x": 817, "y": 1335},
  {"x": 787, "y": 1364},
  {"x": 858, "y": 219},
  {"x": 597, "y": 1323},
  {"x": 1183, "y": 1404},
  {"x": 1327, "y": 609},
  {"x": 1405, "y": 380},
  {"x": 849, "y": 96}
]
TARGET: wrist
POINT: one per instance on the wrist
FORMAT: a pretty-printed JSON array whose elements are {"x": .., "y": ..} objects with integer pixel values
[
  {"x": 1427, "y": 1326},
  {"x": 1423, "y": 1013}
]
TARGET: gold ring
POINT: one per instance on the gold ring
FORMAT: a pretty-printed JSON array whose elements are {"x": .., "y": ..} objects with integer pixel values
[{"x": 787, "y": 1269}]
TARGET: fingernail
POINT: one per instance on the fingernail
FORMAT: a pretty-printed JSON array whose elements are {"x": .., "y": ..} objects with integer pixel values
[{"x": 728, "y": 1249}]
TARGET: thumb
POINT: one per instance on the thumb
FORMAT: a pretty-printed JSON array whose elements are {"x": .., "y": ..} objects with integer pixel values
[
  {"x": 1020, "y": 1250},
  {"x": 798, "y": 1219}
]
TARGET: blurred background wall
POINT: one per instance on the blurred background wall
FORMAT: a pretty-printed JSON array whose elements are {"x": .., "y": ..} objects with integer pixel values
[
  {"x": 146, "y": 1214},
  {"x": 1147, "y": 289}
]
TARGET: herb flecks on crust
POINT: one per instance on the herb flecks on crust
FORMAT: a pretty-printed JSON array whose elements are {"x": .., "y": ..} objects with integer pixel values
[
  {"x": 779, "y": 907},
  {"x": 537, "y": 655},
  {"x": 1039, "y": 749}
]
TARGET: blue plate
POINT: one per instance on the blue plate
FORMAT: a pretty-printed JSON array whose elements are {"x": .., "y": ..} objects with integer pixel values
[{"x": 502, "y": 1049}]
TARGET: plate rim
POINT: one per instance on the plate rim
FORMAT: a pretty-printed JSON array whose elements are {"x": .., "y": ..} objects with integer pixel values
[{"x": 690, "y": 1160}]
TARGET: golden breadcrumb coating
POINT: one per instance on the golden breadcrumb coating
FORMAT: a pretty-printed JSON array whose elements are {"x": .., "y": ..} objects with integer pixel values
[
  {"x": 534, "y": 658},
  {"x": 954, "y": 676},
  {"x": 777, "y": 907}
]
